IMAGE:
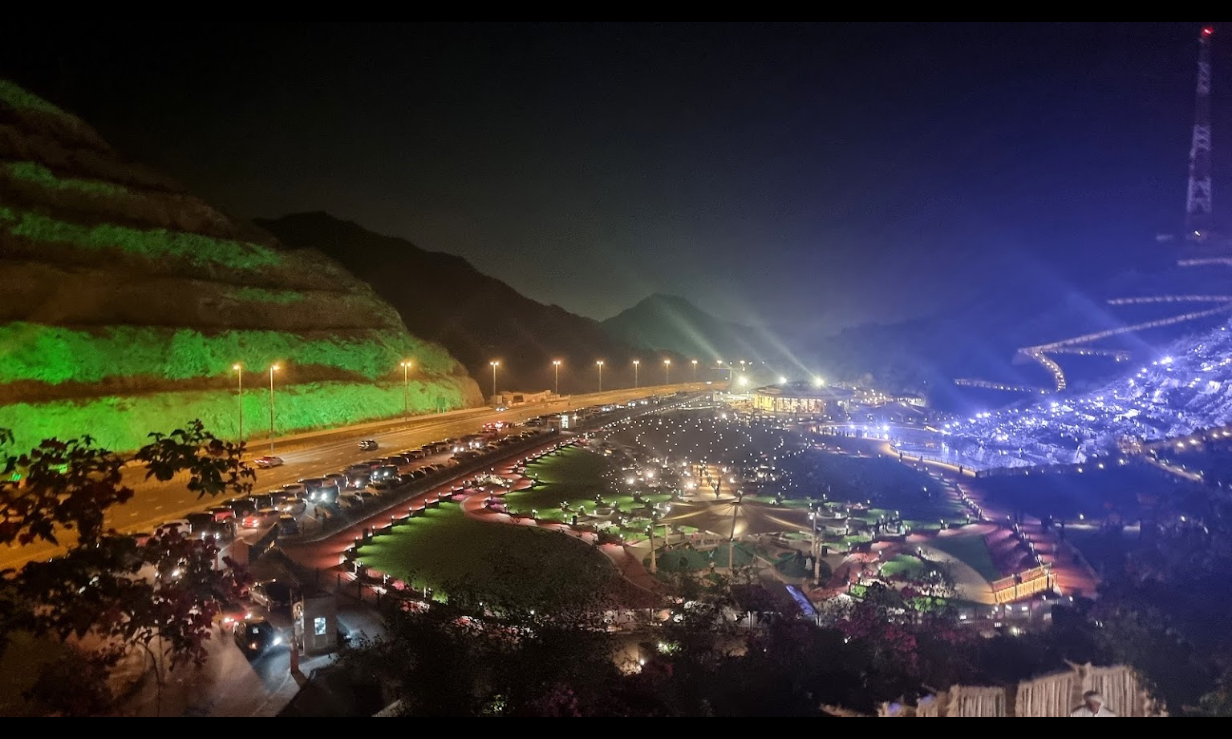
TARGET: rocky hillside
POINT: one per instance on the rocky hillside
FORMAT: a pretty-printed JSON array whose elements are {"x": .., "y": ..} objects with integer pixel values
[
  {"x": 125, "y": 302},
  {"x": 477, "y": 317}
]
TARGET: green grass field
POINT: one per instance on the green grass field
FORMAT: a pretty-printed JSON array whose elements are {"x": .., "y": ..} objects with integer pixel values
[
  {"x": 970, "y": 549},
  {"x": 903, "y": 565},
  {"x": 444, "y": 546}
]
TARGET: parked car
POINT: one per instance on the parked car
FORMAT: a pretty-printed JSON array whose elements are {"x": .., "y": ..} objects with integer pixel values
[
  {"x": 269, "y": 461},
  {"x": 380, "y": 486},
  {"x": 295, "y": 488},
  {"x": 407, "y": 478},
  {"x": 255, "y": 636},
  {"x": 338, "y": 477},
  {"x": 287, "y": 525},
  {"x": 368, "y": 444},
  {"x": 293, "y": 505}
]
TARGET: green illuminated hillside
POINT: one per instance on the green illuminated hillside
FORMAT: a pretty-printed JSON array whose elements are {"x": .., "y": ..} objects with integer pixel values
[{"x": 125, "y": 302}]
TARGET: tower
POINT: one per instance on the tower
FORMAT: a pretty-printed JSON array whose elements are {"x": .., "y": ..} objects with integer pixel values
[{"x": 1198, "y": 202}]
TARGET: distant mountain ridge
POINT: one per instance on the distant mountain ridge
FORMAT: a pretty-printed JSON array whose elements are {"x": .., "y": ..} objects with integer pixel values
[
  {"x": 479, "y": 318},
  {"x": 672, "y": 323}
]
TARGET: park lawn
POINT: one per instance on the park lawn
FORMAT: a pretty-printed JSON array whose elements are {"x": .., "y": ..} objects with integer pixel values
[
  {"x": 903, "y": 565},
  {"x": 971, "y": 549},
  {"x": 692, "y": 560},
  {"x": 442, "y": 545}
]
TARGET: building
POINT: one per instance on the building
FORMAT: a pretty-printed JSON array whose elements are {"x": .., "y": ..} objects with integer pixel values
[{"x": 801, "y": 398}]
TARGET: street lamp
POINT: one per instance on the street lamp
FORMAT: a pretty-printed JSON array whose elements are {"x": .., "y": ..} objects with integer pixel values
[
  {"x": 636, "y": 362},
  {"x": 273, "y": 369},
  {"x": 556, "y": 366},
  {"x": 667, "y": 371},
  {"x": 239, "y": 370},
  {"x": 406, "y": 386},
  {"x": 694, "y": 370},
  {"x": 494, "y": 364},
  {"x": 600, "y": 365}
]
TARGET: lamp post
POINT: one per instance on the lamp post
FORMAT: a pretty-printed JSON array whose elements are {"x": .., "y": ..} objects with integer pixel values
[
  {"x": 556, "y": 367},
  {"x": 694, "y": 370},
  {"x": 667, "y": 371},
  {"x": 636, "y": 362},
  {"x": 406, "y": 386},
  {"x": 273, "y": 369},
  {"x": 600, "y": 365},
  {"x": 239, "y": 371},
  {"x": 494, "y": 364}
]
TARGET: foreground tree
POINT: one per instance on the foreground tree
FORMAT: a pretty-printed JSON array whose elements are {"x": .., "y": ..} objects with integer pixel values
[{"x": 160, "y": 596}]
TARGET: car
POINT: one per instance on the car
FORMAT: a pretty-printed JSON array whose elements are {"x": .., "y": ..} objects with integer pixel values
[
  {"x": 273, "y": 595},
  {"x": 364, "y": 496},
  {"x": 501, "y": 408},
  {"x": 241, "y": 507},
  {"x": 339, "y": 478},
  {"x": 232, "y": 614},
  {"x": 201, "y": 525},
  {"x": 294, "y": 505},
  {"x": 259, "y": 518},
  {"x": 255, "y": 636},
  {"x": 384, "y": 472},
  {"x": 222, "y": 513},
  {"x": 287, "y": 525},
  {"x": 406, "y": 478},
  {"x": 269, "y": 461},
  {"x": 324, "y": 494},
  {"x": 180, "y": 525},
  {"x": 369, "y": 444},
  {"x": 295, "y": 488},
  {"x": 380, "y": 486},
  {"x": 262, "y": 500}
]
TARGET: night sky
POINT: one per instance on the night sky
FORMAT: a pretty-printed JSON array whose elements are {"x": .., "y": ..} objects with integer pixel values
[{"x": 811, "y": 177}]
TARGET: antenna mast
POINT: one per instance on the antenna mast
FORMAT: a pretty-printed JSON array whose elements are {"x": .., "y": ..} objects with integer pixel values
[{"x": 1198, "y": 203}]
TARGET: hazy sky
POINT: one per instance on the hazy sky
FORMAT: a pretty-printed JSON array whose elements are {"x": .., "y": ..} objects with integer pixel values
[{"x": 815, "y": 176}]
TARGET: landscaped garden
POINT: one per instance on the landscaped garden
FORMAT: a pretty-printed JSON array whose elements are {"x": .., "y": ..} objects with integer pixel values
[
  {"x": 442, "y": 546},
  {"x": 971, "y": 550}
]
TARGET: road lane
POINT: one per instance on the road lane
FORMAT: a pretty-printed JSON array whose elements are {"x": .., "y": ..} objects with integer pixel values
[{"x": 313, "y": 455}]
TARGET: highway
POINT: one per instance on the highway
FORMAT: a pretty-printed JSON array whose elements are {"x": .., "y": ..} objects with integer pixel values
[{"x": 316, "y": 454}]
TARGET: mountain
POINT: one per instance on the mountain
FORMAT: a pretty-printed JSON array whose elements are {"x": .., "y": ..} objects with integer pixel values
[
  {"x": 477, "y": 317},
  {"x": 672, "y": 323},
  {"x": 125, "y": 302}
]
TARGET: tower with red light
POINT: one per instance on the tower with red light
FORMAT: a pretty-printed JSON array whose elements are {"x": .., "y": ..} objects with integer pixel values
[{"x": 1198, "y": 209}]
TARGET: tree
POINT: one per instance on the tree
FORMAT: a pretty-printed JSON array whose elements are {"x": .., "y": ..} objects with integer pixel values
[{"x": 161, "y": 595}]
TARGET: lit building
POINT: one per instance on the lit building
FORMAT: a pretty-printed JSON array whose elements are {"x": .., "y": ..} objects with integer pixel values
[{"x": 801, "y": 398}]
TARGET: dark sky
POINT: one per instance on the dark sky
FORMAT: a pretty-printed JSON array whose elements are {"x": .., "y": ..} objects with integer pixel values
[{"x": 811, "y": 176}]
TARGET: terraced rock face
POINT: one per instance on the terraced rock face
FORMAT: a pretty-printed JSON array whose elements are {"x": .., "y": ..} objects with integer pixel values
[{"x": 125, "y": 303}]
